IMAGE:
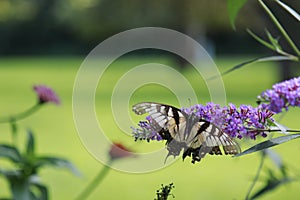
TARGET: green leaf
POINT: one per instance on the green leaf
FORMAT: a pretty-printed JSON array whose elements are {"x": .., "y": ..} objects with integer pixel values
[
  {"x": 274, "y": 41},
  {"x": 20, "y": 188},
  {"x": 275, "y": 157},
  {"x": 271, "y": 185},
  {"x": 41, "y": 190},
  {"x": 9, "y": 174},
  {"x": 275, "y": 58},
  {"x": 234, "y": 7},
  {"x": 261, "y": 41},
  {"x": 274, "y": 45},
  {"x": 11, "y": 153},
  {"x": 234, "y": 68},
  {"x": 57, "y": 162},
  {"x": 255, "y": 60},
  {"x": 289, "y": 9},
  {"x": 269, "y": 143},
  {"x": 281, "y": 127},
  {"x": 30, "y": 144}
]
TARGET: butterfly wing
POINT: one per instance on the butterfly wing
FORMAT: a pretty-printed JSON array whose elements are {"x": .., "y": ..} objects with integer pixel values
[
  {"x": 205, "y": 138},
  {"x": 165, "y": 118}
]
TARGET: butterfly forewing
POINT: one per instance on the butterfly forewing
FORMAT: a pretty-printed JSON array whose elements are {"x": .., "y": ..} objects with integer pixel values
[{"x": 165, "y": 116}]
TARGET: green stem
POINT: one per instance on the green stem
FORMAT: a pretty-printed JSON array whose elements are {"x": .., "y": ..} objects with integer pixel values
[
  {"x": 273, "y": 130},
  {"x": 281, "y": 29},
  {"x": 21, "y": 115},
  {"x": 257, "y": 174},
  {"x": 95, "y": 182}
]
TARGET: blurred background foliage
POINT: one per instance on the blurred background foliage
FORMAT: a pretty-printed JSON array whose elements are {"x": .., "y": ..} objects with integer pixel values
[{"x": 76, "y": 26}]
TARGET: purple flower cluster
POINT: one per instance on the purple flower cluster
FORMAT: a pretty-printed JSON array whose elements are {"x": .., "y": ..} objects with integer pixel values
[
  {"x": 245, "y": 121},
  {"x": 146, "y": 131},
  {"x": 46, "y": 94},
  {"x": 282, "y": 95}
]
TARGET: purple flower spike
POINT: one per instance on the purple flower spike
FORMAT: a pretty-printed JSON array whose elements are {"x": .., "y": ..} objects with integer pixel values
[
  {"x": 46, "y": 94},
  {"x": 146, "y": 131},
  {"x": 282, "y": 95},
  {"x": 241, "y": 122}
]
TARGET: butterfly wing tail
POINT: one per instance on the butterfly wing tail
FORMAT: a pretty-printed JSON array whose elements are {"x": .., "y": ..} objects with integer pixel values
[{"x": 232, "y": 149}]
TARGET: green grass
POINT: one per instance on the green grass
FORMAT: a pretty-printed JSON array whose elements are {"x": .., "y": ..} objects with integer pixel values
[{"x": 212, "y": 178}]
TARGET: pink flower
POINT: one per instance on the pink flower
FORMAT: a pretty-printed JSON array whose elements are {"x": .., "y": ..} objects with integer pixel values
[
  {"x": 46, "y": 94},
  {"x": 118, "y": 150}
]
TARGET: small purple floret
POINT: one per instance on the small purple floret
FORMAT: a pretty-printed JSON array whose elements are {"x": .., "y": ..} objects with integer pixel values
[{"x": 46, "y": 94}]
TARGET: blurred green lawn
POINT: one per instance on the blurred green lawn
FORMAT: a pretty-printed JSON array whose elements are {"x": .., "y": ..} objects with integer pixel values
[{"x": 212, "y": 178}]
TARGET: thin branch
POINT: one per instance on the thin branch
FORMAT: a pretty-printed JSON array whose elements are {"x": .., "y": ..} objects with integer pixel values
[
  {"x": 273, "y": 130},
  {"x": 21, "y": 115},
  {"x": 95, "y": 182}
]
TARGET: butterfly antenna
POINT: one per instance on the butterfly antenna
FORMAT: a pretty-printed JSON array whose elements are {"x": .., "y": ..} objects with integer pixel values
[{"x": 189, "y": 100}]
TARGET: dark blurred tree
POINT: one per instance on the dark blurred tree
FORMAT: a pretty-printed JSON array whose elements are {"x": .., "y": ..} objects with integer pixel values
[
  {"x": 30, "y": 27},
  {"x": 204, "y": 20},
  {"x": 76, "y": 26}
]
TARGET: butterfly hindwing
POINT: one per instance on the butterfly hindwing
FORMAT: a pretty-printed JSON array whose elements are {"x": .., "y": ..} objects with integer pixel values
[{"x": 210, "y": 138}]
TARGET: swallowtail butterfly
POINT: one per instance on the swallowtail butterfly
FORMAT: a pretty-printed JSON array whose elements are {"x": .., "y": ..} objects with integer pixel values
[{"x": 187, "y": 132}]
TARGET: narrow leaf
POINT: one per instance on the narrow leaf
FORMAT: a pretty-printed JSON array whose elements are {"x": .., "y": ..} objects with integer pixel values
[
  {"x": 273, "y": 41},
  {"x": 275, "y": 58},
  {"x": 20, "y": 188},
  {"x": 261, "y": 41},
  {"x": 42, "y": 191},
  {"x": 289, "y": 9},
  {"x": 30, "y": 143},
  {"x": 264, "y": 59},
  {"x": 271, "y": 185},
  {"x": 269, "y": 143},
  {"x": 275, "y": 158},
  {"x": 234, "y": 7},
  {"x": 234, "y": 68},
  {"x": 11, "y": 174},
  {"x": 57, "y": 162},
  {"x": 274, "y": 45},
  {"x": 10, "y": 152},
  {"x": 33, "y": 196},
  {"x": 281, "y": 127}
]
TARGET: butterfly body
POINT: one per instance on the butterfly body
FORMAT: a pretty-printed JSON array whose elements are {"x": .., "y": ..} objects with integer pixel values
[{"x": 186, "y": 131}]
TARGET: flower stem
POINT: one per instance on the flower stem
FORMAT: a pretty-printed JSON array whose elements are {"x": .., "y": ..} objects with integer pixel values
[
  {"x": 95, "y": 182},
  {"x": 257, "y": 175},
  {"x": 21, "y": 115},
  {"x": 279, "y": 26},
  {"x": 274, "y": 130}
]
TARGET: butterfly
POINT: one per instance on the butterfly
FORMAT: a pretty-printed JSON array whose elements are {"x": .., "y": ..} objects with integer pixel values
[{"x": 187, "y": 132}]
